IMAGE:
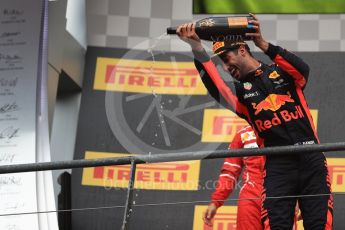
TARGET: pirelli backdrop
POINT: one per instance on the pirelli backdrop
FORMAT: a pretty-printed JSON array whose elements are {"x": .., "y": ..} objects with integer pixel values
[{"x": 133, "y": 103}]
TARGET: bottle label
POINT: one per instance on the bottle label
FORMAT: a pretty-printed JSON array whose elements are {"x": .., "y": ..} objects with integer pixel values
[
  {"x": 237, "y": 22},
  {"x": 208, "y": 22}
]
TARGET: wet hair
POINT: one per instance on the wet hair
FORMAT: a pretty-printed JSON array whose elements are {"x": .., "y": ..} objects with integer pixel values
[{"x": 247, "y": 48}]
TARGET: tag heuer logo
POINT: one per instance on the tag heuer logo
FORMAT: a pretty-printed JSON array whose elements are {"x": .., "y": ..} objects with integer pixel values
[
  {"x": 247, "y": 85},
  {"x": 274, "y": 75}
]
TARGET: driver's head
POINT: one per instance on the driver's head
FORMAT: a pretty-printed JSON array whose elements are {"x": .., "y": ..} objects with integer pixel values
[{"x": 232, "y": 54}]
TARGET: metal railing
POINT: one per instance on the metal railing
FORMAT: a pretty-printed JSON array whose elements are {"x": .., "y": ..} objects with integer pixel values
[{"x": 167, "y": 157}]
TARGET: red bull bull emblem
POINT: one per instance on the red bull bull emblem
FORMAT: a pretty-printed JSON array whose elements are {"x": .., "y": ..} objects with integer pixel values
[
  {"x": 274, "y": 75},
  {"x": 272, "y": 102},
  {"x": 247, "y": 85}
]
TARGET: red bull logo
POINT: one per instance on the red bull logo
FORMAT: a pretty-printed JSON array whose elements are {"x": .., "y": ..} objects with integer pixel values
[
  {"x": 286, "y": 115},
  {"x": 272, "y": 102}
]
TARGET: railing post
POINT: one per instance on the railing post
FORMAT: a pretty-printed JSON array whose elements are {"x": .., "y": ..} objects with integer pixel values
[{"x": 129, "y": 200}]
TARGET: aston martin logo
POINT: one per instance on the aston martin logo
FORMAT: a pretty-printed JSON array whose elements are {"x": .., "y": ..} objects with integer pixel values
[{"x": 208, "y": 22}]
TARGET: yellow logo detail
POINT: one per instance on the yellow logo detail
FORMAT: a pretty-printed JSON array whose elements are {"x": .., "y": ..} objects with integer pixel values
[
  {"x": 140, "y": 76},
  {"x": 336, "y": 171},
  {"x": 274, "y": 75},
  {"x": 217, "y": 45},
  {"x": 220, "y": 125},
  {"x": 182, "y": 175},
  {"x": 225, "y": 219}
]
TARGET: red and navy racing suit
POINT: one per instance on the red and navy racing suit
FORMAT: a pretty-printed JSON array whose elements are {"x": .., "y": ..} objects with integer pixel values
[
  {"x": 249, "y": 204},
  {"x": 271, "y": 100}
]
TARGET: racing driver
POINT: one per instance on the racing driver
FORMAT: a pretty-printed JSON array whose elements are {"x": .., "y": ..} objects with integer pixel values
[{"x": 271, "y": 99}]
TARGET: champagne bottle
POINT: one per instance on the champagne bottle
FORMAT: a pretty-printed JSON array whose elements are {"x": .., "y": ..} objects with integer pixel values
[{"x": 222, "y": 28}]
